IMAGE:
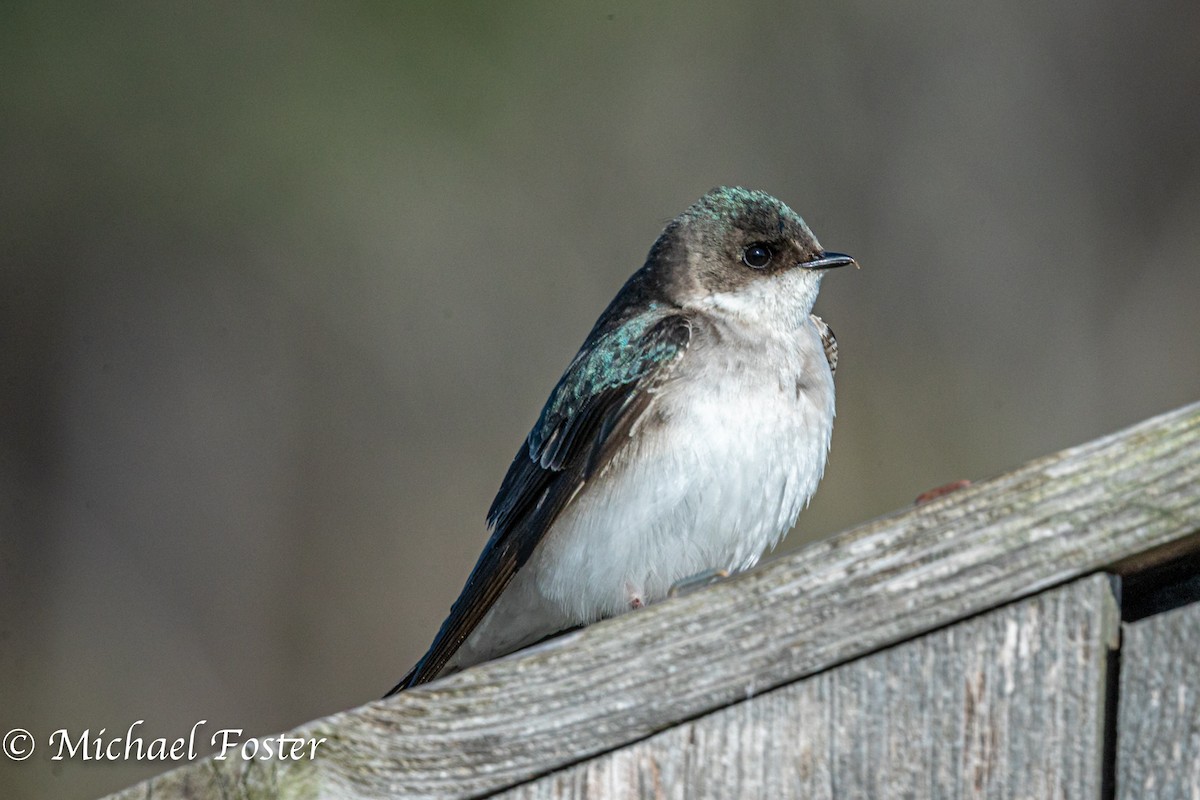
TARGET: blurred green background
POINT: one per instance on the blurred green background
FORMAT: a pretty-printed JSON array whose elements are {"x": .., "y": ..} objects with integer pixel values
[{"x": 282, "y": 288}]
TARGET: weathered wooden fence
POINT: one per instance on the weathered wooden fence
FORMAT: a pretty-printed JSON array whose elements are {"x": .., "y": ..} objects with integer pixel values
[{"x": 1035, "y": 635}]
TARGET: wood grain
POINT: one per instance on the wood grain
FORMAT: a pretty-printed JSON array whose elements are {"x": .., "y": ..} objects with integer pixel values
[
  {"x": 1120, "y": 498},
  {"x": 1158, "y": 726},
  {"x": 1005, "y": 705}
]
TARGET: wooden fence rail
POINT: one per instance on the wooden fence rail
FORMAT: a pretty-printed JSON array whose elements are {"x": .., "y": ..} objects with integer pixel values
[{"x": 964, "y": 648}]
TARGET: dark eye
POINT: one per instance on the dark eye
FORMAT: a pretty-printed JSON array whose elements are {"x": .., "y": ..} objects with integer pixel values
[{"x": 756, "y": 256}]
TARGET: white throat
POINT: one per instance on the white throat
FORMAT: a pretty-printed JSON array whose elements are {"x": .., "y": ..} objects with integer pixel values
[{"x": 782, "y": 301}]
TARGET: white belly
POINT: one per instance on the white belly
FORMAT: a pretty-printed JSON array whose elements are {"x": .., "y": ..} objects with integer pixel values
[{"x": 714, "y": 485}]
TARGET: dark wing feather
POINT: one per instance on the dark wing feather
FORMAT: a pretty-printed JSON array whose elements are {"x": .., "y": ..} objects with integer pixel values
[
  {"x": 828, "y": 341},
  {"x": 583, "y": 424}
]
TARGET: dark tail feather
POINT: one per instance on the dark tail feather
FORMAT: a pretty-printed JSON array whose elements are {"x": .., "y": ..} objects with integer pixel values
[{"x": 404, "y": 683}]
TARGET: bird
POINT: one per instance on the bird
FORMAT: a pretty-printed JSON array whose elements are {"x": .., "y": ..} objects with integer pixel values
[{"x": 685, "y": 436}]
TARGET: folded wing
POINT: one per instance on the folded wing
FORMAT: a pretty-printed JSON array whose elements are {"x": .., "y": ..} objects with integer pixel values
[{"x": 584, "y": 423}]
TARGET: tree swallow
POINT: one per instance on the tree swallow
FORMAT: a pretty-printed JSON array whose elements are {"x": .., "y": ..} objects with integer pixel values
[{"x": 685, "y": 436}]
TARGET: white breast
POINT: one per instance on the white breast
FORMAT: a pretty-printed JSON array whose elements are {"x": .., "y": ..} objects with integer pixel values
[
  {"x": 728, "y": 455},
  {"x": 743, "y": 445}
]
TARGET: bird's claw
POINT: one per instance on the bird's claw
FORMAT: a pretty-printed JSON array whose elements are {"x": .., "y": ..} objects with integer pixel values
[{"x": 697, "y": 581}]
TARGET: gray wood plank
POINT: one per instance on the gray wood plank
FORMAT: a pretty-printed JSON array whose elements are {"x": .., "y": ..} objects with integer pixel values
[
  {"x": 1158, "y": 725},
  {"x": 1118, "y": 499},
  {"x": 1009, "y": 704}
]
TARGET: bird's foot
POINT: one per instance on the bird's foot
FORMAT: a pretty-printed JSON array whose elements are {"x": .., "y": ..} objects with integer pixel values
[{"x": 698, "y": 581}]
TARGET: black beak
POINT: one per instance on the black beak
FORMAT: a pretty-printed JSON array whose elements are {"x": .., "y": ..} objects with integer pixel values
[{"x": 830, "y": 260}]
